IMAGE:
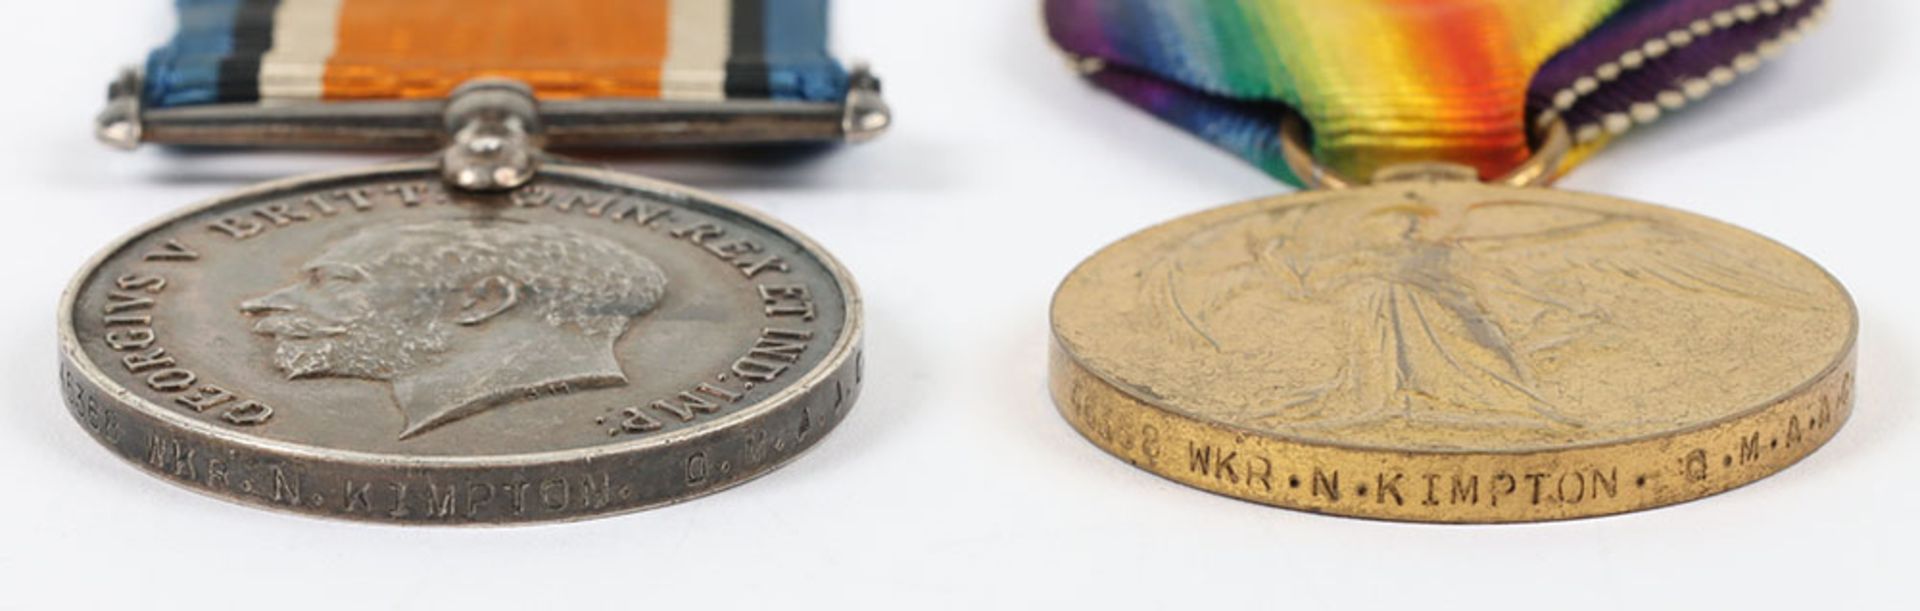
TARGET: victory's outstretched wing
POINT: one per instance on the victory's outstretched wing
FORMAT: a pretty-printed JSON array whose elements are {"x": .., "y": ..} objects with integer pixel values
[{"x": 1643, "y": 250}]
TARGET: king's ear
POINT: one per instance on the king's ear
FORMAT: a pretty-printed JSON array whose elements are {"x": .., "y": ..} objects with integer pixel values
[{"x": 486, "y": 298}]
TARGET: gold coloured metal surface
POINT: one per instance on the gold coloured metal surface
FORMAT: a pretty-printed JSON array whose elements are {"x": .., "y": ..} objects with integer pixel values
[
  {"x": 1454, "y": 352},
  {"x": 1539, "y": 170}
]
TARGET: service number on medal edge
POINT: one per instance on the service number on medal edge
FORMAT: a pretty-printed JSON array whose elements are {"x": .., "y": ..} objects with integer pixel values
[
  {"x": 1454, "y": 353},
  {"x": 372, "y": 346}
]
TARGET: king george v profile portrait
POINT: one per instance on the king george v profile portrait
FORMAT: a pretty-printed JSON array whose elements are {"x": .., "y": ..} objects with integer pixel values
[{"x": 460, "y": 316}]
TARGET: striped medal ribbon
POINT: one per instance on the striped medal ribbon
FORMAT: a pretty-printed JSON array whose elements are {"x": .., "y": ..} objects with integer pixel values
[
  {"x": 1384, "y": 82},
  {"x": 275, "y": 51},
  {"x": 604, "y": 73}
]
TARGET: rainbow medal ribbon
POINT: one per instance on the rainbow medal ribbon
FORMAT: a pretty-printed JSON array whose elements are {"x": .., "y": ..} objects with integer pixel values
[
  {"x": 1425, "y": 334},
  {"x": 1386, "y": 81},
  {"x": 492, "y": 334}
]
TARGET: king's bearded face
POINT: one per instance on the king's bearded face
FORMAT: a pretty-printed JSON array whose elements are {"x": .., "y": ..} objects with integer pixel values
[{"x": 349, "y": 317}]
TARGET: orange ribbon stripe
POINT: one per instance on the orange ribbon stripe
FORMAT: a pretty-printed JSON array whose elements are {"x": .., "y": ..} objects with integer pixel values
[{"x": 423, "y": 49}]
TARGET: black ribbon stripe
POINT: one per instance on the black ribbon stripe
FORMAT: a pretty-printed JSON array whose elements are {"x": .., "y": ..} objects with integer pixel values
[{"x": 252, "y": 39}]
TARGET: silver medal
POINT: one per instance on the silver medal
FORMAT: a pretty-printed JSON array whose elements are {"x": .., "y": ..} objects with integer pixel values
[{"x": 379, "y": 345}]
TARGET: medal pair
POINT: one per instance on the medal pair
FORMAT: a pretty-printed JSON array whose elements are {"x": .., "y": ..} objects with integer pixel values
[{"x": 1426, "y": 335}]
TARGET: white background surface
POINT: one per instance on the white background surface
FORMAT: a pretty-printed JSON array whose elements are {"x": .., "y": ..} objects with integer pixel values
[{"x": 954, "y": 484}]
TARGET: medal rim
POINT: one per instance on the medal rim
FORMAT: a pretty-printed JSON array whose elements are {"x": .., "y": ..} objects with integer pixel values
[
  {"x": 839, "y": 356},
  {"x": 1064, "y": 371}
]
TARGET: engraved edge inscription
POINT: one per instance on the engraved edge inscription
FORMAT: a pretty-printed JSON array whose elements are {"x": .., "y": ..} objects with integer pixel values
[
  {"x": 566, "y": 489},
  {"x": 1578, "y": 482}
]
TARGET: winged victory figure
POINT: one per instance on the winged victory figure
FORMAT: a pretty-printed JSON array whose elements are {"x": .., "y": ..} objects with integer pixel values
[{"x": 1428, "y": 299}]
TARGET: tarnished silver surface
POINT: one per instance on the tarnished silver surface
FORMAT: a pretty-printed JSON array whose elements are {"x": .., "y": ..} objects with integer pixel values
[{"x": 374, "y": 346}]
